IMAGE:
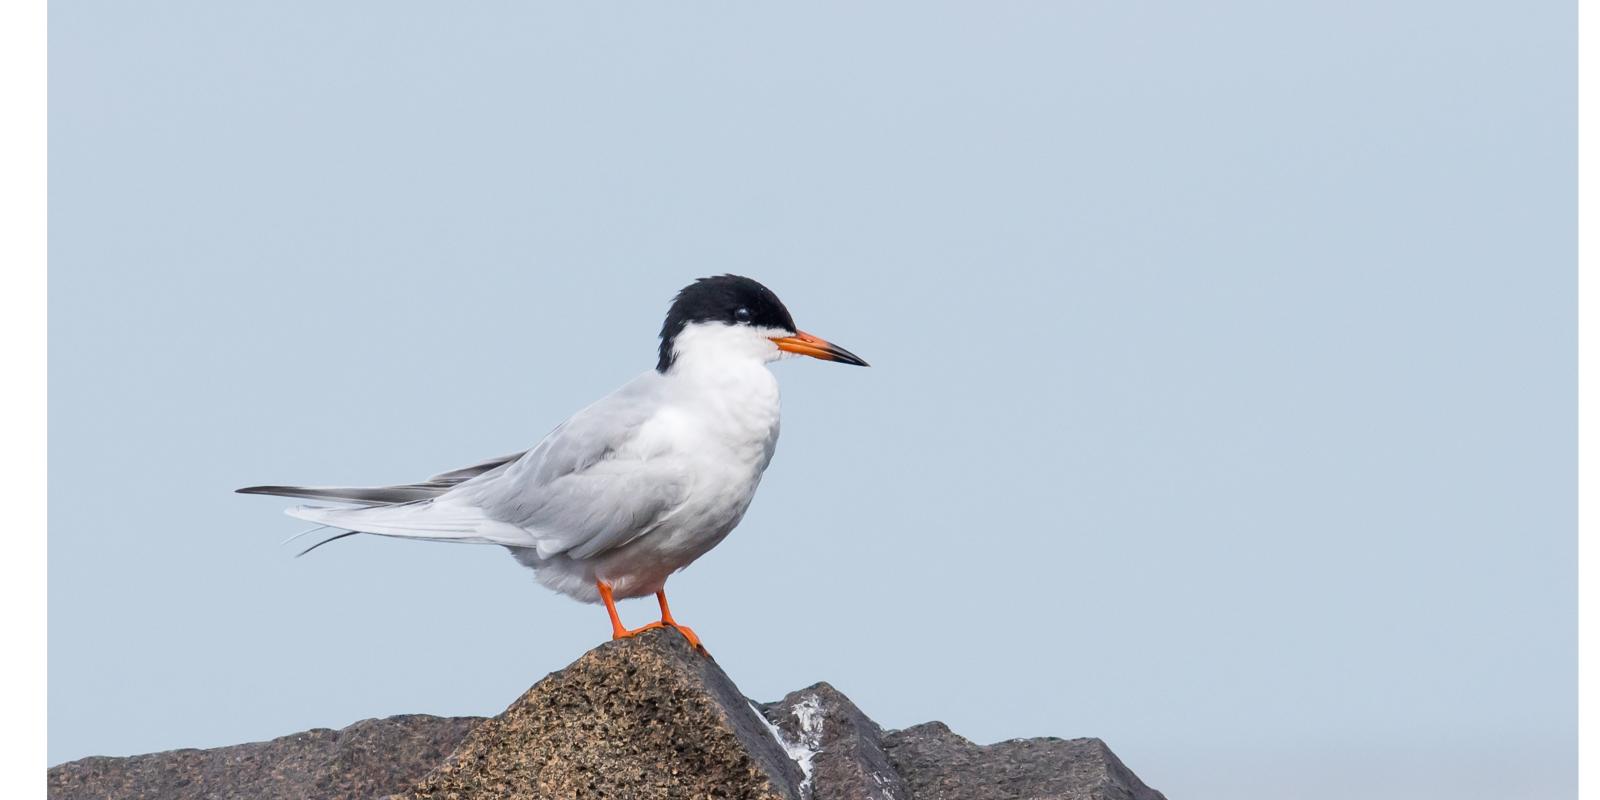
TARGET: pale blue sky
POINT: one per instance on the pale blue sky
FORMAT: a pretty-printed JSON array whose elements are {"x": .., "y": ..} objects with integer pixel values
[{"x": 1223, "y": 387}]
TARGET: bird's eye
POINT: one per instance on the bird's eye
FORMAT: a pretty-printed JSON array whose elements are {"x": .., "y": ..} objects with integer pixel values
[{"x": 742, "y": 316}]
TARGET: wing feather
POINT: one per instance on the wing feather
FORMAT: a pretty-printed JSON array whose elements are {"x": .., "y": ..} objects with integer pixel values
[
  {"x": 584, "y": 490},
  {"x": 388, "y": 495}
]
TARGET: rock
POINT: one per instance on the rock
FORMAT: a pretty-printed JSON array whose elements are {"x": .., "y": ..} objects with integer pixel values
[
  {"x": 369, "y": 759},
  {"x": 939, "y": 765},
  {"x": 640, "y": 718},
  {"x": 839, "y": 748},
  {"x": 646, "y": 717}
]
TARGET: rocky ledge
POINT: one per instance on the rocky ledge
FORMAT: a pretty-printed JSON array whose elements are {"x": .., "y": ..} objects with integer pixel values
[{"x": 646, "y": 718}]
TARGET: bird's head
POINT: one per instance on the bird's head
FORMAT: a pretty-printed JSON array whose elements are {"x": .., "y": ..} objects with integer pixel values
[{"x": 734, "y": 316}]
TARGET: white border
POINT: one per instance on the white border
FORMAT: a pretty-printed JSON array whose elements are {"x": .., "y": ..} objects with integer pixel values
[
  {"x": 23, "y": 148},
  {"x": 1588, "y": 347},
  {"x": 22, "y": 400}
]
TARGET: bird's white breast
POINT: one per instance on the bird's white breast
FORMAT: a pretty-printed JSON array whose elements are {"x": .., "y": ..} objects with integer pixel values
[
  {"x": 711, "y": 430},
  {"x": 723, "y": 426},
  {"x": 718, "y": 426}
]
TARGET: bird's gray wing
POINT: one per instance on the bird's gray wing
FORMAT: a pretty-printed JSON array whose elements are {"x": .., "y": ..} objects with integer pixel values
[
  {"x": 455, "y": 476},
  {"x": 585, "y": 489}
]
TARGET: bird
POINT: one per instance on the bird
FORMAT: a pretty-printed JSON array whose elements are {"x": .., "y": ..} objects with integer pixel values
[{"x": 634, "y": 487}]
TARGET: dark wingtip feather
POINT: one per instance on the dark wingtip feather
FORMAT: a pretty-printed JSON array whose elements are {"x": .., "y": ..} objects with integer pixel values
[
  {"x": 325, "y": 541},
  {"x": 369, "y": 495}
]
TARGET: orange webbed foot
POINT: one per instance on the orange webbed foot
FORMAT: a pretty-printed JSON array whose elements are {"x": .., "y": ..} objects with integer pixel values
[
  {"x": 619, "y": 632},
  {"x": 624, "y": 633},
  {"x": 688, "y": 633}
]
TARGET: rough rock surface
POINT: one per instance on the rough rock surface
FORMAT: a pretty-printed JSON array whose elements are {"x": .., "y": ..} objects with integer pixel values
[
  {"x": 939, "y": 765},
  {"x": 640, "y": 718},
  {"x": 646, "y": 717},
  {"x": 369, "y": 759},
  {"x": 840, "y": 748}
]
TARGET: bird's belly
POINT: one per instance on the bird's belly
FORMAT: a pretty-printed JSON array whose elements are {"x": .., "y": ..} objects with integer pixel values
[
  {"x": 709, "y": 512},
  {"x": 705, "y": 518}
]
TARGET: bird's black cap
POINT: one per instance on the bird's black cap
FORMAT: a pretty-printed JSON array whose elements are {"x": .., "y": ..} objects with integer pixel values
[{"x": 731, "y": 299}]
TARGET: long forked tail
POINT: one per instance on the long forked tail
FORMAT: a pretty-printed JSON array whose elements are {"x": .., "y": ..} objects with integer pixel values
[
  {"x": 411, "y": 514},
  {"x": 438, "y": 521}
]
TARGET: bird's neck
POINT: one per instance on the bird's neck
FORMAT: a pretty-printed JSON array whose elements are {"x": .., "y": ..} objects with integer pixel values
[
  {"x": 720, "y": 378},
  {"x": 735, "y": 395},
  {"x": 724, "y": 379}
]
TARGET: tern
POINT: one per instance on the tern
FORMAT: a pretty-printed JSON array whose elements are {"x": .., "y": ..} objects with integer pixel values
[{"x": 632, "y": 488}]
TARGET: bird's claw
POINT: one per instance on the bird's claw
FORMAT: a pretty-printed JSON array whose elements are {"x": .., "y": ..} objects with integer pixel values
[{"x": 688, "y": 633}]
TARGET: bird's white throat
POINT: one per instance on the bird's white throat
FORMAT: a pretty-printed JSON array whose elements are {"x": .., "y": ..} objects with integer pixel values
[
  {"x": 716, "y": 346},
  {"x": 720, "y": 378}
]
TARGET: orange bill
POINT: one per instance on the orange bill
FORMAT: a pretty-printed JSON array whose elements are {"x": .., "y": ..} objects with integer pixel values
[{"x": 807, "y": 345}]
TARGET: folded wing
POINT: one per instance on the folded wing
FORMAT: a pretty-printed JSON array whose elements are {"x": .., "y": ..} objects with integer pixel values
[{"x": 582, "y": 491}]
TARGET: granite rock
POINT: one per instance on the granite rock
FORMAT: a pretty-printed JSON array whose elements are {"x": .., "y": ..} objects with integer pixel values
[
  {"x": 840, "y": 748},
  {"x": 939, "y": 765},
  {"x": 640, "y": 719},
  {"x": 646, "y": 717},
  {"x": 371, "y": 758}
]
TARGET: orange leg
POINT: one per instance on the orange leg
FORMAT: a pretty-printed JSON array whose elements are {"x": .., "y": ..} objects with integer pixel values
[
  {"x": 667, "y": 620},
  {"x": 617, "y": 631}
]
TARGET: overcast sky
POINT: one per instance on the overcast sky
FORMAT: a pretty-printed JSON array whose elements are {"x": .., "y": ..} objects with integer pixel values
[{"x": 1223, "y": 388}]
